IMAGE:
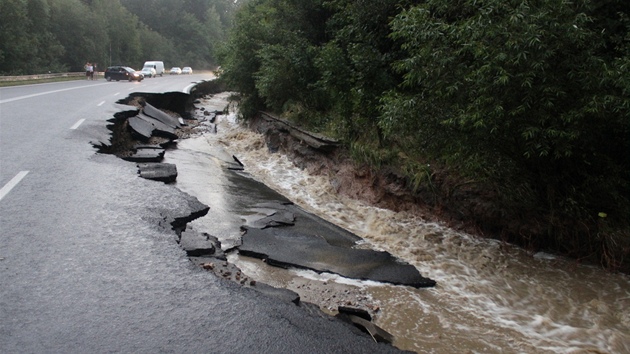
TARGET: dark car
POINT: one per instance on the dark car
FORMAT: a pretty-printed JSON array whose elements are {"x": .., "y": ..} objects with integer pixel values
[{"x": 119, "y": 72}]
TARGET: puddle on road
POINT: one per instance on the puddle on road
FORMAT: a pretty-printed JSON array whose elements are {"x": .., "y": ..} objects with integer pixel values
[{"x": 490, "y": 298}]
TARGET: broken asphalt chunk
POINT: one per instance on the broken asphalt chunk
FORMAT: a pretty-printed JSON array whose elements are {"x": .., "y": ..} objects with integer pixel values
[
  {"x": 378, "y": 334},
  {"x": 285, "y": 247},
  {"x": 279, "y": 293},
  {"x": 140, "y": 127},
  {"x": 163, "y": 172},
  {"x": 355, "y": 312},
  {"x": 193, "y": 209},
  {"x": 159, "y": 128},
  {"x": 146, "y": 154},
  {"x": 161, "y": 116},
  {"x": 197, "y": 244},
  {"x": 278, "y": 218}
]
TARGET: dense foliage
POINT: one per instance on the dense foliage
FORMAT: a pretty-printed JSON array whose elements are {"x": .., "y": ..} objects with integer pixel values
[
  {"x": 38, "y": 36},
  {"x": 522, "y": 105}
]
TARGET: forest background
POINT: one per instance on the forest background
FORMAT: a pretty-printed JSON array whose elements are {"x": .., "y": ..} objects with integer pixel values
[
  {"x": 512, "y": 115},
  {"x": 38, "y": 36}
]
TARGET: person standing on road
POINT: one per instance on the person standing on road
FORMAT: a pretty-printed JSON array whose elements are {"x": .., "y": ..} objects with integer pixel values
[{"x": 88, "y": 70}]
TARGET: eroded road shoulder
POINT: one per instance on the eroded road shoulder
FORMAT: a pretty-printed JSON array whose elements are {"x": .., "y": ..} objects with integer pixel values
[{"x": 267, "y": 225}]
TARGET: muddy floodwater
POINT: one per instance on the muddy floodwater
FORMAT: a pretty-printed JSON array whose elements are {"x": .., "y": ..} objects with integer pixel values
[{"x": 490, "y": 297}]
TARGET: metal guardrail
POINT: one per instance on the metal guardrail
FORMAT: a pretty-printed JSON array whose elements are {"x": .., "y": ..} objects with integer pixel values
[{"x": 39, "y": 76}]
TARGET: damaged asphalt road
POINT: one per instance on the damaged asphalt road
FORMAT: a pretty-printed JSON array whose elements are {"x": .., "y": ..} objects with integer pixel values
[
  {"x": 89, "y": 260},
  {"x": 275, "y": 230},
  {"x": 284, "y": 235}
]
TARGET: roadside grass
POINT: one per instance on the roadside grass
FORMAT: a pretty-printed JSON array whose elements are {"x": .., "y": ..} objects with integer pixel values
[{"x": 40, "y": 81}]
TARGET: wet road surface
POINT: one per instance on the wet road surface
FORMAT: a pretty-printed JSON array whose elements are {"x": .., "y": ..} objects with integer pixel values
[{"x": 86, "y": 264}]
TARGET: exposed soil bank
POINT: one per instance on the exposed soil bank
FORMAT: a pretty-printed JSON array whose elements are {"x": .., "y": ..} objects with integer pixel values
[{"x": 461, "y": 207}]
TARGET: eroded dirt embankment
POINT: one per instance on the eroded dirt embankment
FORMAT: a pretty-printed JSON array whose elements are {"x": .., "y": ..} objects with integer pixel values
[
  {"x": 385, "y": 189},
  {"x": 449, "y": 199}
]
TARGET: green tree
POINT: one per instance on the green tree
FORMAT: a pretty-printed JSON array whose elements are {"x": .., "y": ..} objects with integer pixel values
[
  {"x": 355, "y": 64},
  {"x": 194, "y": 29},
  {"x": 520, "y": 94},
  {"x": 77, "y": 30},
  {"x": 123, "y": 31},
  {"x": 16, "y": 42},
  {"x": 193, "y": 40},
  {"x": 270, "y": 55},
  {"x": 155, "y": 46},
  {"x": 239, "y": 59},
  {"x": 46, "y": 47},
  {"x": 59, "y": 35}
]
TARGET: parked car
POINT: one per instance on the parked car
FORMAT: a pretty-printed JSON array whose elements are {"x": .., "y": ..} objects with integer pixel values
[
  {"x": 119, "y": 72},
  {"x": 176, "y": 70},
  {"x": 148, "y": 72},
  {"x": 187, "y": 70}
]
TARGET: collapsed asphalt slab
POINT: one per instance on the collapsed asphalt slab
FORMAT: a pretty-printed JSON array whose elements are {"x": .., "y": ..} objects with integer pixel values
[
  {"x": 284, "y": 235},
  {"x": 290, "y": 237}
]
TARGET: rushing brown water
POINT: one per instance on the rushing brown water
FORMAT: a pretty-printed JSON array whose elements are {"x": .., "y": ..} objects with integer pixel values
[{"x": 490, "y": 297}]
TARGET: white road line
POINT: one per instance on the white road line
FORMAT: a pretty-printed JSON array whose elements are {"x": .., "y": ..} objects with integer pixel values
[
  {"x": 76, "y": 125},
  {"x": 12, "y": 183},
  {"x": 117, "y": 93},
  {"x": 187, "y": 88},
  {"x": 100, "y": 104},
  {"x": 43, "y": 93}
]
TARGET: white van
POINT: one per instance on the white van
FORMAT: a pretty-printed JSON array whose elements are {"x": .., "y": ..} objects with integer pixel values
[{"x": 157, "y": 65}]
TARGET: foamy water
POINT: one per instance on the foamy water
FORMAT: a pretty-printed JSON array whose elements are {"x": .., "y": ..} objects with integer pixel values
[{"x": 490, "y": 297}]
